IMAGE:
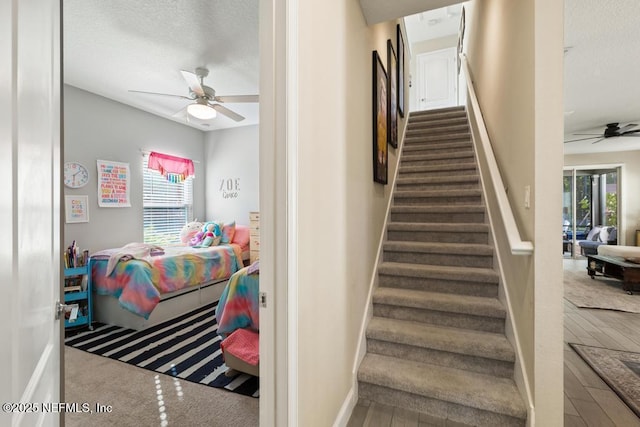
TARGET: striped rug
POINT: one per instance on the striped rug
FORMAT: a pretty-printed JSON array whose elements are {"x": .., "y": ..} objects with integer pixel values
[{"x": 187, "y": 347}]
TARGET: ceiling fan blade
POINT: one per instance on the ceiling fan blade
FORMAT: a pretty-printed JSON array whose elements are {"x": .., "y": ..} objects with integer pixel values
[
  {"x": 584, "y": 139},
  {"x": 585, "y": 134},
  {"x": 162, "y": 94},
  {"x": 601, "y": 139},
  {"x": 627, "y": 128},
  {"x": 237, "y": 98},
  {"x": 192, "y": 81},
  {"x": 631, "y": 133},
  {"x": 223, "y": 110}
]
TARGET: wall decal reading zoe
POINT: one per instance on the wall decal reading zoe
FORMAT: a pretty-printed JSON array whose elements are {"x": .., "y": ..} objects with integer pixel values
[{"x": 230, "y": 188}]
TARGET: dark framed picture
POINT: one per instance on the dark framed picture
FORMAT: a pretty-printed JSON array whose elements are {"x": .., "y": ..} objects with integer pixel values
[
  {"x": 380, "y": 151},
  {"x": 400, "y": 45},
  {"x": 460, "y": 39},
  {"x": 392, "y": 99}
]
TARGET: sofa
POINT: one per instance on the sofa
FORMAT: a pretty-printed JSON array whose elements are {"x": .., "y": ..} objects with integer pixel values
[{"x": 598, "y": 235}]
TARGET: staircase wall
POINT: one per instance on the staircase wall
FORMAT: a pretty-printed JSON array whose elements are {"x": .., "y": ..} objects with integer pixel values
[
  {"x": 516, "y": 66},
  {"x": 340, "y": 210}
]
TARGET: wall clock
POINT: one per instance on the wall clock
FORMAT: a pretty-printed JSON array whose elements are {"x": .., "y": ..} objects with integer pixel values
[{"x": 75, "y": 175}]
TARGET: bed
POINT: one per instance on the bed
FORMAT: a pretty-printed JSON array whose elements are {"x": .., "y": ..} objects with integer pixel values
[
  {"x": 155, "y": 284},
  {"x": 237, "y": 315}
]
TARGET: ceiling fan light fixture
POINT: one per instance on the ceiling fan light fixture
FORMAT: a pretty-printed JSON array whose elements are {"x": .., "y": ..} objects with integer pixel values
[{"x": 201, "y": 111}]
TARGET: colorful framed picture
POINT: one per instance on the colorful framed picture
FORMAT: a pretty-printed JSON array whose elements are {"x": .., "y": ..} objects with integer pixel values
[
  {"x": 400, "y": 45},
  {"x": 392, "y": 103},
  {"x": 76, "y": 209},
  {"x": 380, "y": 119}
]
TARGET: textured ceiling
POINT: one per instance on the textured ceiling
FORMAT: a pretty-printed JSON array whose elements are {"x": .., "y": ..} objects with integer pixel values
[
  {"x": 433, "y": 24},
  {"x": 376, "y": 11},
  {"x": 601, "y": 83},
  {"x": 111, "y": 47}
]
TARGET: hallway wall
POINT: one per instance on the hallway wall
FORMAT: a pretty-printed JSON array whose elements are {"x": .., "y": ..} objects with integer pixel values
[
  {"x": 341, "y": 211},
  {"x": 515, "y": 56}
]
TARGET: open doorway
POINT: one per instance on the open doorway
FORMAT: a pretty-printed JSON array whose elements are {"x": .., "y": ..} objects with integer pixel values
[{"x": 101, "y": 125}]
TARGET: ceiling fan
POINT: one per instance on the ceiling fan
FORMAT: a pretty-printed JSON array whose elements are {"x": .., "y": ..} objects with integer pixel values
[
  {"x": 611, "y": 131},
  {"x": 206, "y": 104}
]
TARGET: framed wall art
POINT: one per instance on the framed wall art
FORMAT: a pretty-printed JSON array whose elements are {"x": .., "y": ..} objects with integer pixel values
[
  {"x": 400, "y": 46},
  {"x": 392, "y": 103},
  {"x": 76, "y": 209},
  {"x": 380, "y": 152}
]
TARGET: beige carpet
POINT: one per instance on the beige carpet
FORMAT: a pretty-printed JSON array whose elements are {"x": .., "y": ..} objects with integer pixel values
[
  {"x": 619, "y": 369},
  {"x": 600, "y": 292},
  {"x": 139, "y": 397}
]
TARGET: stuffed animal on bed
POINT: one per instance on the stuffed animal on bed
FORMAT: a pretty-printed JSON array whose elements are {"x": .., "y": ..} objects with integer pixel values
[
  {"x": 189, "y": 231},
  {"x": 212, "y": 234}
]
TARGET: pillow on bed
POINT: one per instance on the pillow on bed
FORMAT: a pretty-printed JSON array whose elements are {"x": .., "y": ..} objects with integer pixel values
[
  {"x": 228, "y": 231},
  {"x": 242, "y": 235}
]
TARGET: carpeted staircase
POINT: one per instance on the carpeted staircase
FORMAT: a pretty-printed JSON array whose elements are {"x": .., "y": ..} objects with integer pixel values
[{"x": 436, "y": 341}]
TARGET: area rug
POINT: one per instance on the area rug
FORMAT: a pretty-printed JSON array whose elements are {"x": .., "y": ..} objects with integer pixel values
[
  {"x": 600, "y": 292},
  {"x": 187, "y": 347},
  {"x": 619, "y": 369}
]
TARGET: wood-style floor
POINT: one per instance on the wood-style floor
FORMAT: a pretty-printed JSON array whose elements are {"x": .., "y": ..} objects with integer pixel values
[{"x": 588, "y": 401}]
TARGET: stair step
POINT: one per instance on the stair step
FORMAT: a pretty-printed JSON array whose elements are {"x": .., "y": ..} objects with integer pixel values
[
  {"x": 444, "y": 309},
  {"x": 437, "y": 197},
  {"x": 451, "y": 129},
  {"x": 451, "y": 169},
  {"x": 435, "y": 158},
  {"x": 438, "y": 114},
  {"x": 443, "y": 233},
  {"x": 458, "y": 120},
  {"x": 438, "y": 214},
  {"x": 450, "y": 254},
  {"x": 475, "y": 351},
  {"x": 437, "y": 147},
  {"x": 440, "y": 183},
  {"x": 425, "y": 137},
  {"x": 461, "y": 304},
  {"x": 481, "y": 282},
  {"x": 462, "y": 396}
]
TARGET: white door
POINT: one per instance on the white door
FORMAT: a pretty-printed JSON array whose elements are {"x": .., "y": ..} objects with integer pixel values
[
  {"x": 437, "y": 82},
  {"x": 30, "y": 355}
]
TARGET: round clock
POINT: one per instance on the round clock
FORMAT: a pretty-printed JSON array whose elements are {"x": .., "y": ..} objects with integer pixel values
[{"x": 75, "y": 175}]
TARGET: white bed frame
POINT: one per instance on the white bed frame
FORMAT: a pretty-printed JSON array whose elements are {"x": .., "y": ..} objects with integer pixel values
[{"x": 107, "y": 309}]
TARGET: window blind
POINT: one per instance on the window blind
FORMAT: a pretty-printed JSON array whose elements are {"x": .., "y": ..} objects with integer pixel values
[{"x": 167, "y": 206}]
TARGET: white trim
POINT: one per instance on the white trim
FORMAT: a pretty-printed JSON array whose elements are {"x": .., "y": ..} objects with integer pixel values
[
  {"x": 34, "y": 382},
  {"x": 292, "y": 142},
  {"x": 347, "y": 408},
  {"x": 518, "y": 246}
]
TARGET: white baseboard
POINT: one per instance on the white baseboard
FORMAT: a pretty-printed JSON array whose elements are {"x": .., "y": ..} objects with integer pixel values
[{"x": 342, "y": 419}]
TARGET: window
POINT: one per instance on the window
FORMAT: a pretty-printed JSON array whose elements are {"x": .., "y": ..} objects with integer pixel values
[{"x": 168, "y": 206}]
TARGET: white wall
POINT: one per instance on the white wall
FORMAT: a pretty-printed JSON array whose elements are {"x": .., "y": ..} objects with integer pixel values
[
  {"x": 232, "y": 174},
  {"x": 515, "y": 55},
  {"x": 98, "y": 128},
  {"x": 630, "y": 213},
  {"x": 340, "y": 210}
]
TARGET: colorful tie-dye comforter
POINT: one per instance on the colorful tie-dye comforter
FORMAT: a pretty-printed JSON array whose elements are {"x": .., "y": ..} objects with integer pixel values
[
  {"x": 238, "y": 305},
  {"x": 139, "y": 283}
]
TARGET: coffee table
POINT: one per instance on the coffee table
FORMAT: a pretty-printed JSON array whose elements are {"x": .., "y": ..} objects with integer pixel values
[{"x": 616, "y": 268}]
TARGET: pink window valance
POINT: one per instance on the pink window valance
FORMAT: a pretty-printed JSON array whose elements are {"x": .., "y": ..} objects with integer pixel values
[{"x": 175, "y": 169}]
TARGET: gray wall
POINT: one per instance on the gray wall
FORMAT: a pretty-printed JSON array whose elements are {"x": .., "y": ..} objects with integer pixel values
[
  {"x": 96, "y": 128},
  {"x": 232, "y": 174}
]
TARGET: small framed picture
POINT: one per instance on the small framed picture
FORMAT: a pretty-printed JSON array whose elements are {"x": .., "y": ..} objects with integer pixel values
[{"x": 76, "y": 209}]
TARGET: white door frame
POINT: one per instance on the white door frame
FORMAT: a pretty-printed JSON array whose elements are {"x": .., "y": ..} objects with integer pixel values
[
  {"x": 30, "y": 172},
  {"x": 278, "y": 216}
]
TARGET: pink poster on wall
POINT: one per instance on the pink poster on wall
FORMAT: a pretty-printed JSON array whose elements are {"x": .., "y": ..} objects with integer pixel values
[{"x": 113, "y": 184}]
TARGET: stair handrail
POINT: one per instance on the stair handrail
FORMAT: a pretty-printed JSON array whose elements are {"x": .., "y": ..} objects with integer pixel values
[{"x": 517, "y": 245}]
